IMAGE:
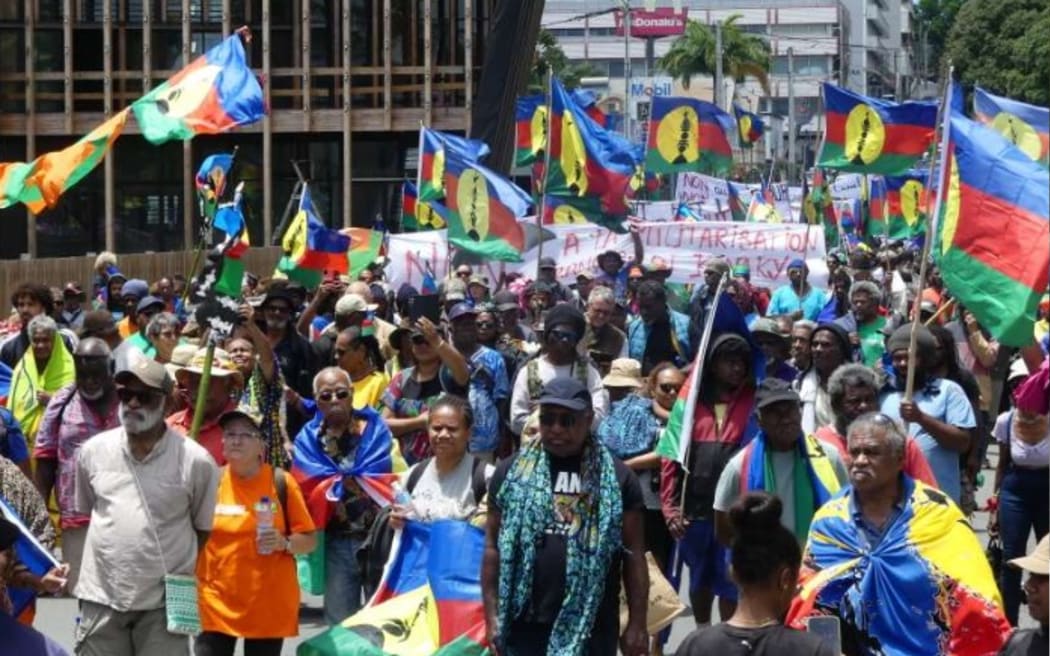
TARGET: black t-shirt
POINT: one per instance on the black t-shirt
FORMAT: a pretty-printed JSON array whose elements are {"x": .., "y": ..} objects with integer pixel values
[
  {"x": 776, "y": 640},
  {"x": 548, "y": 574},
  {"x": 659, "y": 348}
]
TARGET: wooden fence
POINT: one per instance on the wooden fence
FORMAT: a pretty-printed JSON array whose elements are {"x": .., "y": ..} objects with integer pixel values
[{"x": 56, "y": 272}]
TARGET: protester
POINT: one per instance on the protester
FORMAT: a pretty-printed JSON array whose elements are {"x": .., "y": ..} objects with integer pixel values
[
  {"x": 488, "y": 389},
  {"x": 781, "y": 460},
  {"x": 723, "y": 423},
  {"x": 559, "y": 358},
  {"x": 775, "y": 345},
  {"x": 1033, "y": 642},
  {"x": 798, "y": 298},
  {"x": 510, "y": 326},
  {"x": 150, "y": 494},
  {"x": 157, "y": 337},
  {"x": 866, "y": 326},
  {"x": 1022, "y": 477},
  {"x": 939, "y": 416},
  {"x": 406, "y": 401},
  {"x": 350, "y": 310},
  {"x": 263, "y": 389},
  {"x": 294, "y": 355},
  {"x": 612, "y": 272},
  {"x": 658, "y": 334},
  {"x": 72, "y": 314},
  {"x": 224, "y": 390},
  {"x": 602, "y": 341},
  {"x": 13, "y": 445},
  {"x": 829, "y": 349},
  {"x": 853, "y": 390},
  {"x": 703, "y": 297},
  {"x": 740, "y": 291},
  {"x": 76, "y": 414},
  {"x": 99, "y": 323},
  {"x": 30, "y": 300},
  {"x": 866, "y": 545},
  {"x": 358, "y": 355},
  {"x": 110, "y": 298},
  {"x": 18, "y": 638},
  {"x": 801, "y": 354},
  {"x": 246, "y": 572},
  {"x": 555, "y": 552},
  {"x": 451, "y": 484},
  {"x": 624, "y": 378},
  {"x": 131, "y": 294},
  {"x": 765, "y": 563},
  {"x": 44, "y": 369},
  {"x": 547, "y": 274}
]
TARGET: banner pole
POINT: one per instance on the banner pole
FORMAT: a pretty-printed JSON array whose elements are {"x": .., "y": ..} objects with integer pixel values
[{"x": 546, "y": 172}]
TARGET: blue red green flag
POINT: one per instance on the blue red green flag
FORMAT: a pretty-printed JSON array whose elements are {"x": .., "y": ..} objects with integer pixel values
[
  {"x": 215, "y": 93},
  {"x": 211, "y": 181},
  {"x": 1025, "y": 126},
  {"x": 866, "y": 135},
  {"x": 906, "y": 201},
  {"x": 875, "y": 221},
  {"x": 530, "y": 120},
  {"x": 689, "y": 135},
  {"x": 434, "y": 149},
  {"x": 483, "y": 210},
  {"x": 993, "y": 225},
  {"x": 749, "y": 126}
]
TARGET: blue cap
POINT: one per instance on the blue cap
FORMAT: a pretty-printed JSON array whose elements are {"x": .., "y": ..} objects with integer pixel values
[
  {"x": 797, "y": 263},
  {"x": 461, "y": 310},
  {"x": 135, "y": 287}
]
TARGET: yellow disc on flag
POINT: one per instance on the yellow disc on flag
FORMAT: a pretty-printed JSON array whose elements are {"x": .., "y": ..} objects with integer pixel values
[
  {"x": 678, "y": 136},
  {"x": 294, "y": 240},
  {"x": 745, "y": 128},
  {"x": 404, "y": 625},
  {"x": 427, "y": 217},
  {"x": 472, "y": 203},
  {"x": 538, "y": 130},
  {"x": 437, "y": 174},
  {"x": 865, "y": 135},
  {"x": 809, "y": 210},
  {"x": 1019, "y": 134},
  {"x": 951, "y": 205},
  {"x": 568, "y": 215},
  {"x": 913, "y": 201},
  {"x": 573, "y": 155}
]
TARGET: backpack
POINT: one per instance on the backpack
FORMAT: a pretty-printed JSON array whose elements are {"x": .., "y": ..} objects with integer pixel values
[{"x": 375, "y": 550}]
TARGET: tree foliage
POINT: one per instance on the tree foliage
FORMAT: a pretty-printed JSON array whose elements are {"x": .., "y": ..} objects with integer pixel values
[
  {"x": 549, "y": 55},
  {"x": 744, "y": 55},
  {"x": 936, "y": 18},
  {"x": 1004, "y": 46}
]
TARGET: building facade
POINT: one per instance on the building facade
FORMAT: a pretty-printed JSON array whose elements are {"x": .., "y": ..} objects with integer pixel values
[{"x": 348, "y": 83}]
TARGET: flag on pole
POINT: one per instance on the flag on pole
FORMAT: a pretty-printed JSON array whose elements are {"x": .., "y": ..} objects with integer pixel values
[
  {"x": 211, "y": 181},
  {"x": 365, "y": 246},
  {"x": 749, "y": 126},
  {"x": 689, "y": 135},
  {"x": 530, "y": 129},
  {"x": 906, "y": 202},
  {"x": 434, "y": 150},
  {"x": 1025, "y": 126},
  {"x": 483, "y": 210},
  {"x": 875, "y": 222}
]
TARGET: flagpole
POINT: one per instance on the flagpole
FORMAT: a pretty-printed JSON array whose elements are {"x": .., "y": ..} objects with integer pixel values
[
  {"x": 546, "y": 172},
  {"x": 198, "y": 251},
  {"x": 944, "y": 108}
]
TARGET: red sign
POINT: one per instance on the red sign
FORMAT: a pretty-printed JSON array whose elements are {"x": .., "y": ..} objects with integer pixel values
[{"x": 662, "y": 21}]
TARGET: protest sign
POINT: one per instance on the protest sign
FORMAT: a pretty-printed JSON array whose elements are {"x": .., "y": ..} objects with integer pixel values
[
  {"x": 686, "y": 246},
  {"x": 847, "y": 186}
]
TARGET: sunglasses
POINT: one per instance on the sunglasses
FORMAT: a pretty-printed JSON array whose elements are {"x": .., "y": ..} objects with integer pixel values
[
  {"x": 668, "y": 388},
  {"x": 561, "y": 336},
  {"x": 486, "y": 325},
  {"x": 419, "y": 340},
  {"x": 564, "y": 420},
  {"x": 144, "y": 397},
  {"x": 463, "y": 274},
  {"x": 327, "y": 395}
]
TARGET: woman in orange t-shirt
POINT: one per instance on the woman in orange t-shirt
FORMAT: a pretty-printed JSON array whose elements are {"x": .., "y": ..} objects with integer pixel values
[{"x": 245, "y": 593}]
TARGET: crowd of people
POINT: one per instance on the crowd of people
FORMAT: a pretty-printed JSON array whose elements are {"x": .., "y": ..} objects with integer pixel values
[{"x": 814, "y": 477}]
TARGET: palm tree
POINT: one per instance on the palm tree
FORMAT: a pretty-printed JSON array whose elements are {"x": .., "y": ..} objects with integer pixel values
[{"x": 744, "y": 55}]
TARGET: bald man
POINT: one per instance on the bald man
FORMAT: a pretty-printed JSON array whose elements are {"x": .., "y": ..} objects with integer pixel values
[{"x": 76, "y": 413}]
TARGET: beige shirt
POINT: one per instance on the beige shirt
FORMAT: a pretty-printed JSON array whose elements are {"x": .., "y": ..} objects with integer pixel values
[{"x": 124, "y": 558}]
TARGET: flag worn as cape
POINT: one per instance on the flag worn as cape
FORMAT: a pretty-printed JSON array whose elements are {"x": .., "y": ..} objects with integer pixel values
[
  {"x": 1025, "y": 126},
  {"x": 993, "y": 212},
  {"x": 214, "y": 93},
  {"x": 867, "y": 135},
  {"x": 926, "y": 589},
  {"x": 749, "y": 126},
  {"x": 375, "y": 468},
  {"x": 483, "y": 210},
  {"x": 689, "y": 135},
  {"x": 27, "y": 380},
  {"x": 428, "y": 601},
  {"x": 36, "y": 558}
]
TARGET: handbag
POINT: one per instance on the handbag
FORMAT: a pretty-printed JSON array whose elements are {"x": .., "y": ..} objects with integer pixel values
[
  {"x": 181, "y": 602},
  {"x": 664, "y": 604}
]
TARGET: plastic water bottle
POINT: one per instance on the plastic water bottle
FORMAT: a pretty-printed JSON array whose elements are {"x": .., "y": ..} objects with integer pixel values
[
  {"x": 403, "y": 498},
  {"x": 263, "y": 520}
]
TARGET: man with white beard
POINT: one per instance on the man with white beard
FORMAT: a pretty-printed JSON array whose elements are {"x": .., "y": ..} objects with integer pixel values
[{"x": 150, "y": 494}]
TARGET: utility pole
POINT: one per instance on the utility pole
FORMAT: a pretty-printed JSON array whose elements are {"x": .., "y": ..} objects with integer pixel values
[
  {"x": 718, "y": 65},
  {"x": 791, "y": 109},
  {"x": 627, "y": 69}
]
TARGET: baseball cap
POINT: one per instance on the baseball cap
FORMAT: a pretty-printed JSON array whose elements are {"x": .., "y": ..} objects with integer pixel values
[
  {"x": 478, "y": 280},
  {"x": 135, "y": 287},
  {"x": 797, "y": 263},
  {"x": 72, "y": 289},
  {"x": 147, "y": 371},
  {"x": 242, "y": 411},
  {"x": 585, "y": 275},
  {"x": 548, "y": 263},
  {"x": 1037, "y": 561},
  {"x": 767, "y": 326},
  {"x": 624, "y": 372},
  {"x": 149, "y": 301},
  {"x": 460, "y": 310},
  {"x": 505, "y": 300},
  {"x": 774, "y": 390},
  {"x": 567, "y": 393},
  {"x": 351, "y": 303},
  {"x": 98, "y": 323}
]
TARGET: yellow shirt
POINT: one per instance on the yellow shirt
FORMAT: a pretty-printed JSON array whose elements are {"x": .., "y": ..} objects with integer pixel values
[{"x": 368, "y": 390}]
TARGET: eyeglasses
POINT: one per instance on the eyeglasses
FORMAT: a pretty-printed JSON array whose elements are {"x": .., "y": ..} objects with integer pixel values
[
  {"x": 565, "y": 420},
  {"x": 144, "y": 397},
  {"x": 486, "y": 325},
  {"x": 669, "y": 388},
  {"x": 328, "y": 395},
  {"x": 240, "y": 437},
  {"x": 561, "y": 336}
]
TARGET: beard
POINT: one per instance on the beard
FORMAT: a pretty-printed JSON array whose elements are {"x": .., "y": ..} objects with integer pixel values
[
  {"x": 275, "y": 324},
  {"x": 141, "y": 420}
]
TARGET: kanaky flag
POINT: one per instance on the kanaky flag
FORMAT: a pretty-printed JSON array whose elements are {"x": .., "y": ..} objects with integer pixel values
[
  {"x": 428, "y": 601},
  {"x": 365, "y": 246},
  {"x": 875, "y": 222},
  {"x": 763, "y": 208},
  {"x": 993, "y": 213},
  {"x": 689, "y": 135},
  {"x": 749, "y": 126},
  {"x": 1025, "y": 126},
  {"x": 866, "y": 135},
  {"x": 420, "y": 214},
  {"x": 906, "y": 201},
  {"x": 530, "y": 120},
  {"x": 483, "y": 210},
  {"x": 215, "y": 93},
  {"x": 434, "y": 150},
  {"x": 51, "y": 174},
  {"x": 588, "y": 102},
  {"x": 211, "y": 181}
]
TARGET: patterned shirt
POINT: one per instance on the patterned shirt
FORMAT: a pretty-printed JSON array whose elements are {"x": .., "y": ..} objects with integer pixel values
[
  {"x": 68, "y": 423},
  {"x": 488, "y": 388}
]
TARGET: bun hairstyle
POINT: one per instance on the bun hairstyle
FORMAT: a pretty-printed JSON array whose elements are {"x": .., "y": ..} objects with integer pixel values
[{"x": 761, "y": 545}]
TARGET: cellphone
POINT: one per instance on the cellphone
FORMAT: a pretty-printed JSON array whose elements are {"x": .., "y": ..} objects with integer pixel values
[
  {"x": 425, "y": 305},
  {"x": 828, "y": 629}
]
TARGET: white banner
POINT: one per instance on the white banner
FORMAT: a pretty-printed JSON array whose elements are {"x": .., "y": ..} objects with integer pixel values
[
  {"x": 766, "y": 248},
  {"x": 846, "y": 186}
]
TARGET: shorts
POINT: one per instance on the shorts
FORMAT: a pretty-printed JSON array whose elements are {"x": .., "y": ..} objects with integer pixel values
[{"x": 707, "y": 559}]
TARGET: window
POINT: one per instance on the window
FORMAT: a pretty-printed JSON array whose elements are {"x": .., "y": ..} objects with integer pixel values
[
  {"x": 805, "y": 65},
  {"x": 801, "y": 29}
]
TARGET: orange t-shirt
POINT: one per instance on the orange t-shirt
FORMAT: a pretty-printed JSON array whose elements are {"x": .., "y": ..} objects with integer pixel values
[
  {"x": 125, "y": 329},
  {"x": 242, "y": 592}
]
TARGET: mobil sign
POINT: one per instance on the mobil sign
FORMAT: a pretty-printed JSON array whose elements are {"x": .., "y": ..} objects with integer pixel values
[{"x": 648, "y": 24}]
